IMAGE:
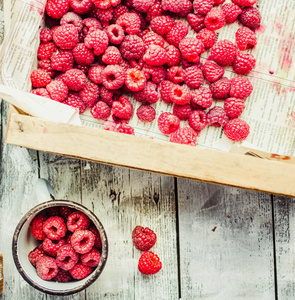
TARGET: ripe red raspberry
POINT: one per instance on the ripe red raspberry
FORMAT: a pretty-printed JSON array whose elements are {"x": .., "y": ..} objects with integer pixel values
[
  {"x": 186, "y": 8},
  {"x": 104, "y": 15},
  {"x": 36, "y": 254},
  {"x": 46, "y": 50},
  {"x": 115, "y": 34},
  {"x": 57, "y": 8},
  {"x": 234, "y": 107},
  {"x": 135, "y": 80},
  {"x": 196, "y": 21},
  {"x": 132, "y": 47},
  {"x": 111, "y": 56},
  {"x": 244, "y": 2},
  {"x": 152, "y": 38},
  {"x": 62, "y": 60},
  {"x": 94, "y": 74},
  {"x": 100, "y": 110},
  {"x": 155, "y": 56},
  {"x": 66, "y": 257},
  {"x": 97, "y": 239},
  {"x": 244, "y": 63},
  {"x": 45, "y": 65},
  {"x": 250, "y": 17},
  {"x": 191, "y": 48},
  {"x": 224, "y": 52},
  {"x": 207, "y": 37},
  {"x": 231, "y": 12},
  {"x": 75, "y": 101},
  {"x": 220, "y": 89},
  {"x": 157, "y": 74},
  {"x": 217, "y": 117},
  {"x": 83, "y": 55},
  {"x": 215, "y": 19},
  {"x": 162, "y": 24},
  {"x": 65, "y": 211},
  {"x": 91, "y": 259},
  {"x": 66, "y": 36},
  {"x": 165, "y": 88},
  {"x": 193, "y": 77},
  {"x": 212, "y": 71},
  {"x": 55, "y": 228},
  {"x": 90, "y": 24},
  {"x": 57, "y": 90},
  {"x": 130, "y": 22},
  {"x": 82, "y": 241},
  {"x": 203, "y": 6},
  {"x": 126, "y": 129},
  {"x": 97, "y": 40},
  {"x": 154, "y": 11},
  {"x": 123, "y": 108},
  {"x": 245, "y": 38},
  {"x": 75, "y": 79},
  {"x": 77, "y": 221},
  {"x": 168, "y": 123},
  {"x": 241, "y": 87},
  {"x": 80, "y": 271},
  {"x": 142, "y": 5},
  {"x": 218, "y": 2},
  {"x": 119, "y": 10},
  {"x": 237, "y": 130},
  {"x": 202, "y": 97},
  {"x": 105, "y": 4},
  {"x": 177, "y": 33},
  {"x": 198, "y": 120},
  {"x": 185, "y": 135},
  {"x": 62, "y": 276},
  {"x": 180, "y": 94},
  {"x": 41, "y": 92},
  {"x": 143, "y": 238},
  {"x": 149, "y": 263},
  {"x": 89, "y": 94},
  {"x": 174, "y": 6},
  {"x": 175, "y": 74},
  {"x": 51, "y": 247},
  {"x": 173, "y": 56},
  {"x": 146, "y": 113},
  {"x": 149, "y": 94},
  {"x": 182, "y": 111},
  {"x": 40, "y": 78},
  {"x": 113, "y": 77},
  {"x": 46, "y": 267},
  {"x": 108, "y": 96},
  {"x": 72, "y": 18},
  {"x": 81, "y": 7},
  {"x": 45, "y": 35}
]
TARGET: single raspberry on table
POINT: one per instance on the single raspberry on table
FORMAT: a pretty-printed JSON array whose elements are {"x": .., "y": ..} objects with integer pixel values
[
  {"x": 62, "y": 60},
  {"x": 40, "y": 78},
  {"x": 94, "y": 74},
  {"x": 155, "y": 56},
  {"x": 89, "y": 95},
  {"x": 196, "y": 21},
  {"x": 113, "y": 77},
  {"x": 202, "y": 97},
  {"x": 41, "y": 92},
  {"x": 191, "y": 48},
  {"x": 164, "y": 89},
  {"x": 100, "y": 110},
  {"x": 75, "y": 79},
  {"x": 215, "y": 19},
  {"x": 175, "y": 74},
  {"x": 149, "y": 94},
  {"x": 217, "y": 117},
  {"x": 198, "y": 120},
  {"x": 152, "y": 38},
  {"x": 161, "y": 24},
  {"x": 130, "y": 22},
  {"x": 97, "y": 40},
  {"x": 231, "y": 12},
  {"x": 234, "y": 107},
  {"x": 146, "y": 113},
  {"x": 154, "y": 11},
  {"x": 168, "y": 123},
  {"x": 224, "y": 52},
  {"x": 185, "y": 136},
  {"x": 81, "y": 7},
  {"x": 245, "y": 38},
  {"x": 97, "y": 238},
  {"x": 211, "y": 71},
  {"x": 46, "y": 267},
  {"x": 245, "y": 3},
  {"x": 173, "y": 56},
  {"x": 72, "y": 18},
  {"x": 193, "y": 77},
  {"x": 62, "y": 276},
  {"x": 45, "y": 35},
  {"x": 203, "y": 6},
  {"x": 157, "y": 74},
  {"x": 122, "y": 108},
  {"x": 250, "y": 17},
  {"x": 143, "y": 238},
  {"x": 55, "y": 228},
  {"x": 149, "y": 263},
  {"x": 57, "y": 90},
  {"x": 244, "y": 63},
  {"x": 91, "y": 259},
  {"x": 66, "y": 36},
  {"x": 132, "y": 47},
  {"x": 36, "y": 254},
  {"x": 177, "y": 33},
  {"x": 237, "y": 130},
  {"x": 180, "y": 94},
  {"x": 46, "y": 50},
  {"x": 66, "y": 257},
  {"x": 57, "y": 8},
  {"x": 135, "y": 80},
  {"x": 77, "y": 221},
  {"x": 207, "y": 37},
  {"x": 182, "y": 111},
  {"x": 126, "y": 129},
  {"x": 51, "y": 246},
  {"x": 82, "y": 241},
  {"x": 80, "y": 271},
  {"x": 90, "y": 24},
  {"x": 220, "y": 89},
  {"x": 115, "y": 34},
  {"x": 174, "y": 6},
  {"x": 83, "y": 55},
  {"x": 241, "y": 87}
]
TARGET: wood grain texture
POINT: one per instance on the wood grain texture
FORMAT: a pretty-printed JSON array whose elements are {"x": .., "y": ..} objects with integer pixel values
[
  {"x": 284, "y": 218},
  {"x": 122, "y": 199},
  {"x": 226, "y": 245}
]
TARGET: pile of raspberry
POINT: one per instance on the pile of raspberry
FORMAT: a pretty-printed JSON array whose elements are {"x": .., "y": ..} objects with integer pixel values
[
  {"x": 70, "y": 244},
  {"x": 100, "y": 53}
]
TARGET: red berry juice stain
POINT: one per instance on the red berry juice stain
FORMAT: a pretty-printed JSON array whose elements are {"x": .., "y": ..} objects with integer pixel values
[
  {"x": 292, "y": 115},
  {"x": 286, "y": 50},
  {"x": 271, "y": 72},
  {"x": 277, "y": 87},
  {"x": 44, "y": 130},
  {"x": 261, "y": 29}
]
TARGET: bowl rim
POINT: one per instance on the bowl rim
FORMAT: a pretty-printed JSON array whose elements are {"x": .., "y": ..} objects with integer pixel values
[{"x": 37, "y": 209}]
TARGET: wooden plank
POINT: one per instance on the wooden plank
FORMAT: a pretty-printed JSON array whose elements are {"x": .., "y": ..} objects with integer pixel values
[
  {"x": 284, "y": 216},
  {"x": 122, "y": 199},
  {"x": 1, "y": 274},
  {"x": 226, "y": 243},
  {"x": 152, "y": 155}
]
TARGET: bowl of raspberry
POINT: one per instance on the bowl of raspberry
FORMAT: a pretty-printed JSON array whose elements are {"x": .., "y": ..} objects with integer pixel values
[{"x": 60, "y": 247}]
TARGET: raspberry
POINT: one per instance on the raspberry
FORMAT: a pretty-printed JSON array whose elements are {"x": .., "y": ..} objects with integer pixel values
[
  {"x": 196, "y": 21},
  {"x": 146, "y": 113},
  {"x": 46, "y": 50},
  {"x": 115, "y": 34},
  {"x": 186, "y": 8},
  {"x": 97, "y": 40},
  {"x": 62, "y": 276},
  {"x": 55, "y": 228},
  {"x": 162, "y": 24},
  {"x": 168, "y": 123},
  {"x": 77, "y": 221},
  {"x": 57, "y": 8},
  {"x": 191, "y": 49},
  {"x": 107, "y": 95},
  {"x": 75, "y": 101},
  {"x": 165, "y": 89},
  {"x": 66, "y": 36},
  {"x": 175, "y": 74},
  {"x": 130, "y": 22},
  {"x": 173, "y": 56},
  {"x": 41, "y": 92},
  {"x": 102, "y": 4},
  {"x": 207, "y": 37},
  {"x": 94, "y": 74},
  {"x": 91, "y": 259},
  {"x": 45, "y": 65},
  {"x": 113, "y": 77},
  {"x": 152, "y": 38},
  {"x": 177, "y": 33},
  {"x": 75, "y": 79},
  {"x": 119, "y": 10},
  {"x": 90, "y": 24},
  {"x": 212, "y": 71},
  {"x": 237, "y": 130},
  {"x": 132, "y": 47},
  {"x": 81, "y": 7},
  {"x": 45, "y": 35},
  {"x": 231, "y": 12},
  {"x": 135, "y": 80},
  {"x": 180, "y": 94},
  {"x": 218, "y": 2},
  {"x": 52, "y": 211},
  {"x": 143, "y": 238},
  {"x": 250, "y": 17},
  {"x": 46, "y": 267},
  {"x": 36, "y": 254},
  {"x": 142, "y": 5},
  {"x": 111, "y": 56},
  {"x": 100, "y": 110},
  {"x": 126, "y": 129},
  {"x": 202, "y": 97},
  {"x": 203, "y": 6},
  {"x": 224, "y": 52},
  {"x": 245, "y": 38},
  {"x": 62, "y": 60},
  {"x": 123, "y": 108},
  {"x": 40, "y": 78},
  {"x": 65, "y": 211},
  {"x": 51, "y": 247},
  {"x": 89, "y": 95},
  {"x": 217, "y": 117},
  {"x": 220, "y": 89},
  {"x": 185, "y": 135},
  {"x": 193, "y": 77},
  {"x": 244, "y": 2},
  {"x": 143, "y": 22},
  {"x": 66, "y": 257},
  {"x": 198, "y": 120},
  {"x": 174, "y": 6},
  {"x": 234, "y": 107},
  {"x": 182, "y": 111},
  {"x": 149, "y": 94},
  {"x": 80, "y": 271},
  {"x": 57, "y": 90},
  {"x": 215, "y": 19},
  {"x": 155, "y": 10},
  {"x": 72, "y": 18},
  {"x": 155, "y": 56},
  {"x": 244, "y": 63},
  {"x": 97, "y": 241},
  {"x": 83, "y": 55},
  {"x": 241, "y": 87},
  {"x": 104, "y": 15},
  {"x": 82, "y": 241},
  {"x": 149, "y": 263},
  {"x": 158, "y": 73}
]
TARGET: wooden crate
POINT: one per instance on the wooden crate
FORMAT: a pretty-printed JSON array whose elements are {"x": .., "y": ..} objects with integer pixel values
[{"x": 272, "y": 176}]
